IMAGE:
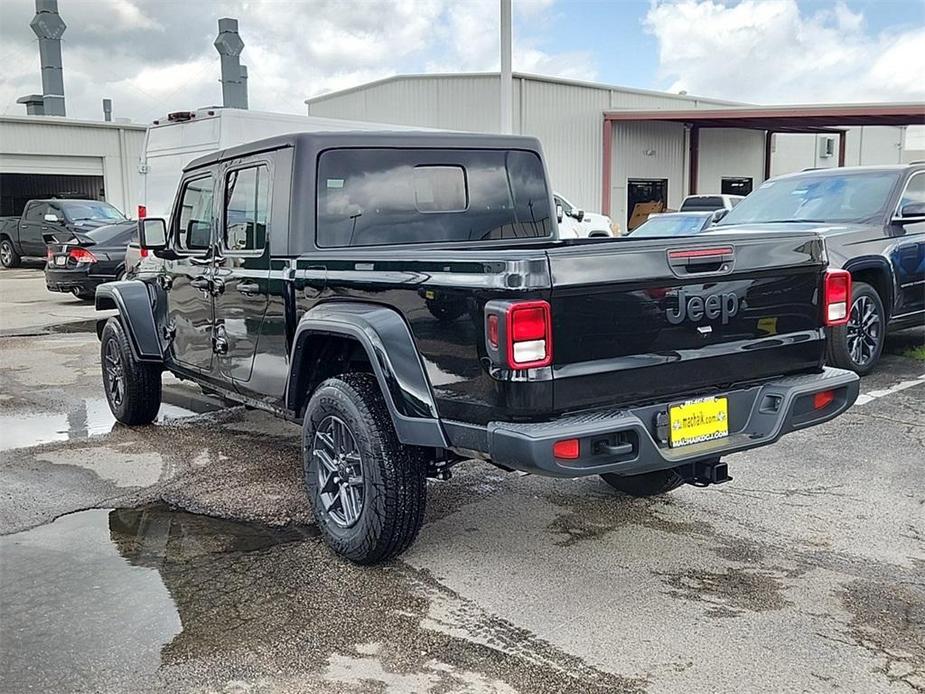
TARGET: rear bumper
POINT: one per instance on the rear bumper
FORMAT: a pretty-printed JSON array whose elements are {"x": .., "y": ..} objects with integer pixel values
[
  {"x": 68, "y": 280},
  {"x": 758, "y": 415}
]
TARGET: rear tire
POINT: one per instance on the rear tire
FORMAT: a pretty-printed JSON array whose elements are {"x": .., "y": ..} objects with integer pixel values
[
  {"x": 9, "y": 258},
  {"x": 367, "y": 490},
  {"x": 857, "y": 346},
  {"x": 133, "y": 388},
  {"x": 647, "y": 484}
]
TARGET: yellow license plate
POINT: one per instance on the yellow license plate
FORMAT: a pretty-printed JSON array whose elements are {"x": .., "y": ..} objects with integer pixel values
[{"x": 698, "y": 420}]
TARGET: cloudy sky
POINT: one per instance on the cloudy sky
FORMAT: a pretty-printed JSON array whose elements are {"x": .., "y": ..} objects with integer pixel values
[{"x": 154, "y": 56}]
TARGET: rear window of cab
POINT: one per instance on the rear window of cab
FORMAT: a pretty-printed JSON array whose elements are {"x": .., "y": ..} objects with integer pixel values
[{"x": 375, "y": 197}]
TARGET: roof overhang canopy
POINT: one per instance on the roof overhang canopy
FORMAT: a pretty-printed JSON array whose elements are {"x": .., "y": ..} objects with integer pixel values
[{"x": 784, "y": 119}]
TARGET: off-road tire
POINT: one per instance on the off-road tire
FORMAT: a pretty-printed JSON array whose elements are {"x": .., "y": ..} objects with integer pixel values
[
  {"x": 141, "y": 393},
  {"x": 838, "y": 350},
  {"x": 647, "y": 484},
  {"x": 9, "y": 258},
  {"x": 395, "y": 484}
]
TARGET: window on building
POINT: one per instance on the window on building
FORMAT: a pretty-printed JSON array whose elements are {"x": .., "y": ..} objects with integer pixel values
[
  {"x": 194, "y": 223},
  {"x": 371, "y": 197},
  {"x": 247, "y": 201},
  {"x": 736, "y": 186}
]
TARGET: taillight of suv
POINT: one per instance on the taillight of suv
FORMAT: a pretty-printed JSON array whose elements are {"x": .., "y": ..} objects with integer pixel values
[{"x": 518, "y": 334}]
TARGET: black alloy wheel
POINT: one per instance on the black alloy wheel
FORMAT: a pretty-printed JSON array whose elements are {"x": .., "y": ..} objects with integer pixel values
[
  {"x": 114, "y": 373},
  {"x": 341, "y": 486}
]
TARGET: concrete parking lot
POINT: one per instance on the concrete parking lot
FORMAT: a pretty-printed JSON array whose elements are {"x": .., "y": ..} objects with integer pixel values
[{"x": 181, "y": 556}]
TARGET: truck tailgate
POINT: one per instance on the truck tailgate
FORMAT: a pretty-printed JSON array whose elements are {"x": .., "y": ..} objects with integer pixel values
[{"x": 642, "y": 320}]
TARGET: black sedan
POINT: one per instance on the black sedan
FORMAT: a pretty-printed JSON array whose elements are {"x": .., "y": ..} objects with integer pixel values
[{"x": 88, "y": 259}]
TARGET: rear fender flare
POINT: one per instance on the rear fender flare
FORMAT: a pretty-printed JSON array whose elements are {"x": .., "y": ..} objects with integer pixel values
[
  {"x": 395, "y": 361},
  {"x": 136, "y": 313}
]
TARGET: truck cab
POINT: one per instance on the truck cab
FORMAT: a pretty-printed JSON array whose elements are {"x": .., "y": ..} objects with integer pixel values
[{"x": 406, "y": 298}]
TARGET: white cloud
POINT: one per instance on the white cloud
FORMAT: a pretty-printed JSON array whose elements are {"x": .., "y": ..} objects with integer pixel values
[
  {"x": 769, "y": 51},
  {"x": 152, "y": 57}
]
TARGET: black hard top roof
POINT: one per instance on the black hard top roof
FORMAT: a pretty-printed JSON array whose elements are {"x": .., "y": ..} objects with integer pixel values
[{"x": 317, "y": 141}]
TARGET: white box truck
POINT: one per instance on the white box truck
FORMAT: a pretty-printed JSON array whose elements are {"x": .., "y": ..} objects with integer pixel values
[{"x": 174, "y": 141}]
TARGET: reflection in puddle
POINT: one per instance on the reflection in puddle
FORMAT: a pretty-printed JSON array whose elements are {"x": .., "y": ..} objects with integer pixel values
[
  {"x": 153, "y": 599},
  {"x": 90, "y": 601},
  {"x": 85, "y": 418}
]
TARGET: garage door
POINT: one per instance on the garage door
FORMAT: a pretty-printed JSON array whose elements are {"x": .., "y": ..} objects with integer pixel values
[
  {"x": 17, "y": 189},
  {"x": 62, "y": 166}
]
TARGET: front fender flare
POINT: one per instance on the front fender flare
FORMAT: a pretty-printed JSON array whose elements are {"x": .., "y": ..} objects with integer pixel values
[
  {"x": 393, "y": 355},
  {"x": 133, "y": 302}
]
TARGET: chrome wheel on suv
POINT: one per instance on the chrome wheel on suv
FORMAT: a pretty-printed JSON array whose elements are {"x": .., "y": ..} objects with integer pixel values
[
  {"x": 864, "y": 331},
  {"x": 340, "y": 471},
  {"x": 857, "y": 344}
]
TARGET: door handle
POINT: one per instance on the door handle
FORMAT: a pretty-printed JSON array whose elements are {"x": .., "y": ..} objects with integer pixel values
[
  {"x": 218, "y": 286},
  {"x": 202, "y": 283},
  {"x": 248, "y": 288}
]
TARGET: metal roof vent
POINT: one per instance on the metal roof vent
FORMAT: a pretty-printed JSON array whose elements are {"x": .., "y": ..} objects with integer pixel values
[
  {"x": 234, "y": 81},
  {"x": 49, "y": 27}
]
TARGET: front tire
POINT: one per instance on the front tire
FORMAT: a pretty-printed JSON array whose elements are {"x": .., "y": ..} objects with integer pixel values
[
  {"x": 857, "y": 345},
  {"x": 366, "y": 489},
  {"x": 647, "y": 484},
  {"x": 133, "y": 388},
  {"x": 9, "y": 258}
]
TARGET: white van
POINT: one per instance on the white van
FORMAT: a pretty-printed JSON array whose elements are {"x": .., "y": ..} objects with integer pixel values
[{"x": 174, "y": 141}]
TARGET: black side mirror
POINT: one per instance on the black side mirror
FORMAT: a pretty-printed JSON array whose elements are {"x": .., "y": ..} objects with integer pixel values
[
  {"x": 911, "y": 213},
  {"x": 580, "y": 215},
  {"x": 152, "y": 234}
]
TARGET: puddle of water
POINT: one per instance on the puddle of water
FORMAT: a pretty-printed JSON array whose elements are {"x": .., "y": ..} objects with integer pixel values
[
  {"x": 86, "y": 418},
  {"x": 88, "y": 602},
  {"x": 151, "y": 599}
]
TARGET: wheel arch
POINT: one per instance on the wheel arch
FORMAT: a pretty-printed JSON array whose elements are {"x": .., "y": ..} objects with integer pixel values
[
  {"x": 340, "y": 337},
  {"x": 133, "y": 303},
  {"x": 876, "y": 272}
]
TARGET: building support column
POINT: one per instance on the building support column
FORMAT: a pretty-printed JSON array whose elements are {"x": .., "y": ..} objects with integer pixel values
[
  {"x": 842, "y": 146},
  {"x": 606, "y": 164},
  {"x": 694, "y": 157}
]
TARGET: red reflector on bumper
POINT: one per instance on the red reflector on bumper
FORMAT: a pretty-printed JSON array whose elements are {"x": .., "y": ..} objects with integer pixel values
[
  {"x": 823, "y": 399},
  {"x": 567, "y": 449}
]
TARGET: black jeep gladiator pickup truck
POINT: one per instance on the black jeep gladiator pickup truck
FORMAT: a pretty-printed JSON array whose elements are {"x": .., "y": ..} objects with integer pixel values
[{"x": 406, "y": 298}]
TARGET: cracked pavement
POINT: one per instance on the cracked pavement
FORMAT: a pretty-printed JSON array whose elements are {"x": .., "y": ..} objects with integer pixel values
[{"x": 181, "y": 557}]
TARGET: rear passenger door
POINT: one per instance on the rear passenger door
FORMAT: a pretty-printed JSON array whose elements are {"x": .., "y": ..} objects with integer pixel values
[
  {"x": 31, "y": 228},
  {"x": 242, "y": 273},
  {"x": 908, "y": 256}
]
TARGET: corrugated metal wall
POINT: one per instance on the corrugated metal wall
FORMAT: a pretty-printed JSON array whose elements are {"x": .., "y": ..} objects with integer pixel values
[
  {"x": 40, "y": 144},
  {"x": 729, "y": 152},
  {"x": 647, "y": 150},
  {"x": 567, "y": 116}
]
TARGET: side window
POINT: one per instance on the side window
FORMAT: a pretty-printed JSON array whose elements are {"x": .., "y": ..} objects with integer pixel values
[
  {"x": 914, "y": 192},
  {"x": 194, "y": 225},
  {"x": 36, "y": 212},
  {"x": 247, "y": 201}
]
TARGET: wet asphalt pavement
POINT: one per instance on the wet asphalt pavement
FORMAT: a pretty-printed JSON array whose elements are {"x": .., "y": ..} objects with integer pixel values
[{"x": 181, "y": 557}]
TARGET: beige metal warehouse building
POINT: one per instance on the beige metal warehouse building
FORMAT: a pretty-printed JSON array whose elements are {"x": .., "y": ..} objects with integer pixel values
[
  {"x": 62, "y": 157},
  {"x": 646, "y": 158}
]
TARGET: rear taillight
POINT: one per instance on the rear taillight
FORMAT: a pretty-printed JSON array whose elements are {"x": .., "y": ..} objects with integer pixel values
[
  {"x": 142, "y": 211},
  {"x": 519, "y": 333},
  {"x": 823, "y": 399},
  {"x": 81, "y": 255},
  {"x": 143, "y": 252},
  {"x": 836, "y": 297}
]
